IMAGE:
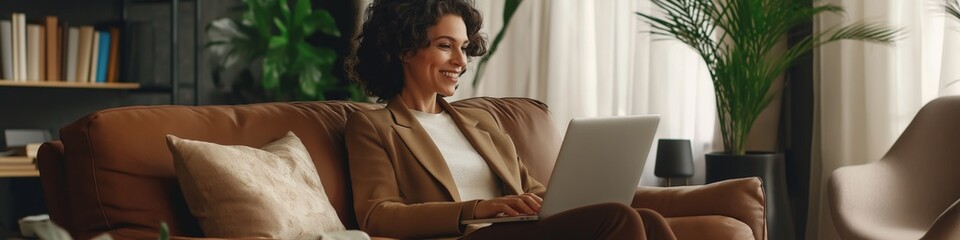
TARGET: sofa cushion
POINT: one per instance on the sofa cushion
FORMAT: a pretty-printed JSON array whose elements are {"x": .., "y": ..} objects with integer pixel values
[{"x": 240, "y": 191}]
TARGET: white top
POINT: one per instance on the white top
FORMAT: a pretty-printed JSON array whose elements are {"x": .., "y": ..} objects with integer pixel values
[{"x": 470, "y": 172}]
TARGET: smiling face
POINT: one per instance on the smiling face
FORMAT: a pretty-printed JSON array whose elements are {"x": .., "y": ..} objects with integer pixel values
[{"x": 436, "y": 68}]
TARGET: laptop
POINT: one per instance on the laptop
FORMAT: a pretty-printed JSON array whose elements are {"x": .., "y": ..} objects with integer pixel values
[{"x": 600, "y": 161}]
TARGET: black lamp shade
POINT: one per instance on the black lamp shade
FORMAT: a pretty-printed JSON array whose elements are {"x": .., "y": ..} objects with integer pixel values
[{"x": 674, "y": 159}]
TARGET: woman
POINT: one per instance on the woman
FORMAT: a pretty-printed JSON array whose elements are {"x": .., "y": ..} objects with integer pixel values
[{"x": 419, "y": 166}]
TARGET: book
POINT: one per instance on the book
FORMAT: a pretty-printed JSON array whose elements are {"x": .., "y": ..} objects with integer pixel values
[
  {"x": 15, "y": 160},
  {"x": 112, "y": 70},
  {"x": 33, "y": 52},
  {"x": 73, "y": 43},
  {"x": 15, "y": 34},
  {"x": 52, "y": 48},
  {"x": 18, "y": 167},
  {"x": 84, "y": 46},
  {"x": 19, "y": 173},
  {"x": 64, "y": 29},
  {"x": 94, "y": 57},
  {"x": 6, "y": 48},
  {"x": 21, "y": 47},
  {"x": 15, "y": 44},
  {"x": 103, "y": 56},
  {"x": 41, "y": 54}
]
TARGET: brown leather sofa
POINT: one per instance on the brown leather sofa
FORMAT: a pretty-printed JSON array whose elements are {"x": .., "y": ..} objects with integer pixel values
[{"x": 112, "y": 172}]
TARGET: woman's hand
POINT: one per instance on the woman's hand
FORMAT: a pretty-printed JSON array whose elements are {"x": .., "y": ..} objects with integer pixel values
[{"x": 513, "y": 205}]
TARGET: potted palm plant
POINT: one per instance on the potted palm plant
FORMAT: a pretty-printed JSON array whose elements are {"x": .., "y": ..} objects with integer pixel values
[
  {"x": 736, "y": 40},
  {"x": 953, "y": 8},
  {"x": 271, "y": 38}
]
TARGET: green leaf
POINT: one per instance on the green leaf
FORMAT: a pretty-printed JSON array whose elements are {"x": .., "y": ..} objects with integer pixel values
[
  {"x": 953, "y": 8},
  {"x": 322, "y": 56},
  {"x": 277, "y": 42},
  {"x": 260, "y": 14},
  {"x": 273, "y": 69},
  {"x": 509, "y": 8},
  {"x": 281, "y": 26},
  {"x": 284, "y": 10},
  {"x": 164, "y": 231},
  {"x": 322, "y": 20},
  {"x": 355, "y": 93},
  {"x": 309, "y": 80},
  {"x": 301, "y": 11},
  {"x": 308, "y": 51}
]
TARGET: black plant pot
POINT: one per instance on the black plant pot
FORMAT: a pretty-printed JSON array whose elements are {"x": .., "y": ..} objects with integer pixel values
[{"x": 769, "y": 167}]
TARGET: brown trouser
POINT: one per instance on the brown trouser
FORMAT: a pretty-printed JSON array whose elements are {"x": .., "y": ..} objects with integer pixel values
[{"x": 601, "y": 221}]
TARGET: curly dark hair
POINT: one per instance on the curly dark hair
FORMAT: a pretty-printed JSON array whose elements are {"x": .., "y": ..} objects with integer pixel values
[{"x": 393, "y": 28}]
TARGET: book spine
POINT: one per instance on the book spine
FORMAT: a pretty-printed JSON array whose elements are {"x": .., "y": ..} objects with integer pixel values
[
  {"x": 94, "y": 57},
  {"x": 73, "y": 43},
  {"x": 22, "y": 46},
  {"x": 6, "y": 48},
  {"x": 112, "y": 70},
  {"x": 83, "y": 53},
  {"x": 104, "y": 56},
  {"x": 64, "y": 46},
  {"x": 33, "y": 52},
  {"x": 52, "y": 48},
  {"x": 15, "y": 18},
  {"x": 41, "y": 54}
]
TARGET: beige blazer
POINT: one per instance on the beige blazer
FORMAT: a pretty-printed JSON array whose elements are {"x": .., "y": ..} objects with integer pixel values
[{"x": 402, "y": 186}]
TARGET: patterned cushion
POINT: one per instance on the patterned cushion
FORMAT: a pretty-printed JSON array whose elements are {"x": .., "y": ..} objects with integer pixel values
[{"x": 240, "y": 191}]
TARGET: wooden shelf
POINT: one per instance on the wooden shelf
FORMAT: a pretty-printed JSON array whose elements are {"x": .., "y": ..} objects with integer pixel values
[{"x": 41, "y": 84}]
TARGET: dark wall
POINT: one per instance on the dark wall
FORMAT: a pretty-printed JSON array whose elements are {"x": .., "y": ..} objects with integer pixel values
[{"x": 157, "y": 15}]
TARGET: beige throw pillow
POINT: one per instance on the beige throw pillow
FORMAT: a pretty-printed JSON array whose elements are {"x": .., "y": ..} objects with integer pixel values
[{"x": 239, "y": 191}]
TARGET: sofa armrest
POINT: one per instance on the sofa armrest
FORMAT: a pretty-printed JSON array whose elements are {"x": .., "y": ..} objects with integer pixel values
[
  {"x": 859, "y": 199},
  {"x": 741, "y": 199},
  {"x": 53, "y": 179}
]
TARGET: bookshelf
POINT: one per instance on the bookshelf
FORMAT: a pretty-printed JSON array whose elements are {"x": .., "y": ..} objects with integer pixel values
[
  {"x": 51, "y": 105},
  {"x": 161, "y": 78},
  {"x": 46, "y": 84}
]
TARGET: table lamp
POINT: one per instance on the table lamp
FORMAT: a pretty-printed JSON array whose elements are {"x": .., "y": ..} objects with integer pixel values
[{"x": 674, "y": 160}]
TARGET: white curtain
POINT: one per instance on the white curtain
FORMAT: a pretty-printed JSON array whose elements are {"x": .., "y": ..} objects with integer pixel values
[
  {"x": 596, "y": 58},
  {"x": 593, "y": 58},
  {"x": 869, "y": 93}
]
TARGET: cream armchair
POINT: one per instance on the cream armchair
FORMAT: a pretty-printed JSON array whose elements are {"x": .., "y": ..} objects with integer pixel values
[{"x": 913, "y": 191}]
